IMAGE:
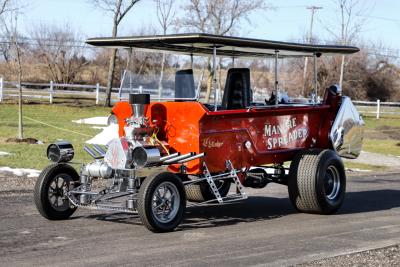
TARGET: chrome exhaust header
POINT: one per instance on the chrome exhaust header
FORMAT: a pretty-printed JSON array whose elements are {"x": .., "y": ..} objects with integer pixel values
[
  {"x": 176, "y": 159},
  {"x": 170, "y": 156},
  {"x": 192, "y": 158}
]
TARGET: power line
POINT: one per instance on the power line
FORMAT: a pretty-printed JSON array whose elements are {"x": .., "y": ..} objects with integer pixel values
[
  {"x": 313, "y": 10},
  {"x": 381, "y": 18}
]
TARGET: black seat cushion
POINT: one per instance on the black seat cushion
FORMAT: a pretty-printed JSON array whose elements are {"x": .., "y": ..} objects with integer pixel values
[
  {"x": 237, "y": 93},
  {"x": 184, "y": 84}
]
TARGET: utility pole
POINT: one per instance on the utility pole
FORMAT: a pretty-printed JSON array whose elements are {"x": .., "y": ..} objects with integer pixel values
[{"x": 313, "y": 10}]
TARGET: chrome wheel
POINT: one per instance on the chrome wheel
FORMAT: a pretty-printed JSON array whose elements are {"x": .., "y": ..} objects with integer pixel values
[
  {"x": 57, "y": 192},
  {"x": 165, "y": 202},
  {"x": 332, "y": 183}
]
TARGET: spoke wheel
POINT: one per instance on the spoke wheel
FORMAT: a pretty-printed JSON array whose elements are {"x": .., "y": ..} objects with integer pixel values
[
  {"x": 58, "y": 188},
  {"x": 166, "y": 202},
  {"x": 51, "y": 191},
  {"x": 161, "y": 202}
]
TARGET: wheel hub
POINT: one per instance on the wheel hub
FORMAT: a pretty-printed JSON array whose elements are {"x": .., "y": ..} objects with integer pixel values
[
  {"x": 332, "y": 183},
  {"x": 165, "y": 202},
  {"x": 56, "y": 192}
]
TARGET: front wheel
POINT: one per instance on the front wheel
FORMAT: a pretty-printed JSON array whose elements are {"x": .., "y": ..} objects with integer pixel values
[
  {"x": 162, "y": 202},
  {"x": 317, "y": 181},
  {"x": 51, "y": 190}
]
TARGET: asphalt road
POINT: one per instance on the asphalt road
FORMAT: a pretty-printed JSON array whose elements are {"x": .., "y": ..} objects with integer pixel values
[{"x": 263, "y": 230}]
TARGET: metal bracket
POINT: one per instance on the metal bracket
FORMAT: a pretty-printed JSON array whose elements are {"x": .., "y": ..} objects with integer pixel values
[
  {"x": 236, "y": 179},
  {"x": 232, "y": 174},
  {"x": 210, "y": 181}
]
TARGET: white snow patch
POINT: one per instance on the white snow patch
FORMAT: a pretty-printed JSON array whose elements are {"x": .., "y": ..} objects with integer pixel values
[
  {"x": 2, "y": 153},
  {"x": 357, "y": 170},
  {"x": 20, "y": 171},
  {"x": 109, "y": 133},
  {"x": 93, "y": 120}
]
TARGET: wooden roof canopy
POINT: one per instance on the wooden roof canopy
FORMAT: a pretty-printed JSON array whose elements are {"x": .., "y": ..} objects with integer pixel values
[{"x": 203, "y": 44}]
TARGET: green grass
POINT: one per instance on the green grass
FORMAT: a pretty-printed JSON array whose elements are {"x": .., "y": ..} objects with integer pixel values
[
  {"x": 33, "y": 156},
  {"x": 387, "y": 147},
  {"x": 371, "y": 123}
]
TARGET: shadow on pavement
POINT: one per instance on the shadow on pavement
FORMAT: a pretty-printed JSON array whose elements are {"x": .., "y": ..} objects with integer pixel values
[
  {"x": 369, "y": 201},
  {"x": 258, "y": 208}
]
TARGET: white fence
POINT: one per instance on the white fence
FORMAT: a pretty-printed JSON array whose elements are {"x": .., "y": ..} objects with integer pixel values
[
  {"x": 51, "y": 91},
  {"x": 378, "y": 108}
]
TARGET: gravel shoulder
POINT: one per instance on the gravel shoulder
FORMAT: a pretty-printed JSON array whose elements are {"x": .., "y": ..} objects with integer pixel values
[{"x": 387, "y": 256}]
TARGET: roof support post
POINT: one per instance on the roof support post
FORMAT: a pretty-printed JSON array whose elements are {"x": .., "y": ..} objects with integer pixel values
[
  {"x": 214, "y": 77},
  {"x": 315, "y": 99},
  {"x": 191, "y": 60},
  {"x": 276, "y": 78}
]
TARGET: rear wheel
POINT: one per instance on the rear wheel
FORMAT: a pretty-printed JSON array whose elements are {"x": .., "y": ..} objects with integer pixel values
[
  {"x": 162, "y": 202},
  {"x": 200, "y": 192},
  {"x": 51, "y": 190},
  {"x": 317, "y": 181}
]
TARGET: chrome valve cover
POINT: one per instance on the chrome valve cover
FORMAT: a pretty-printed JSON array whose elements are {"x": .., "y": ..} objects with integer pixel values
[{"x": 118, "y": 154}]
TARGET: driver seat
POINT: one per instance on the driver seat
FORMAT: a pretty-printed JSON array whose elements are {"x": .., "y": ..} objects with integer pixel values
[
  {"x": 237, "y": 93},
  {"x": 184, "y": 84}
]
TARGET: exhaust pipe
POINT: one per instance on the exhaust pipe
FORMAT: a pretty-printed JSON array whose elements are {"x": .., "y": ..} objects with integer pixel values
[
  {"x": 182, "y": 157},
  {"x": 192, "y": 158},
  {"x": 99, "y": 150},
  {"x": 170, "y": 156},
  {"x": 92, "y": 153}
]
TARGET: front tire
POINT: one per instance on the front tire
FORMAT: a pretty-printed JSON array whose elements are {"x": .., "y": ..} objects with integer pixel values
[
  {"x": 317, "y": 181},
  {"x": 50, "y": 191},
  {"x": 162, "y": 202}
]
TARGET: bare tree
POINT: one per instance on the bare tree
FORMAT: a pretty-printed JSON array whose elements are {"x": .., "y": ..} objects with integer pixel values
[
  {"x": 165, "y": 16},
  {"x": 5, "y": 46},
  {"x": 218, "y": 17},
  {"x": 10, "y": 23},
  {"x": 119, "y": 9},
  {"x": 60, "y": 50},
  {"x": 352, "y": 18},
  {"x": 4, "y": 6}
]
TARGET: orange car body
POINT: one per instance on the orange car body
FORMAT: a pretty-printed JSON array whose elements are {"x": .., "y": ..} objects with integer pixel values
[{"x": 247, "y": 137}]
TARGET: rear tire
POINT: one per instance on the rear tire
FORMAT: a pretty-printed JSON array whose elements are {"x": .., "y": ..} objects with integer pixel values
[
  {"x": 162, "y": 202},
  {"x": 50, "y": 191},
  {"x": 317, "y": 181},
  {"x": 202, "y": 192}
]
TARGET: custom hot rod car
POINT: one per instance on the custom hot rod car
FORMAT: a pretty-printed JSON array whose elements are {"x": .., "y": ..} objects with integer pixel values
[{"x": 176, "y": 151}]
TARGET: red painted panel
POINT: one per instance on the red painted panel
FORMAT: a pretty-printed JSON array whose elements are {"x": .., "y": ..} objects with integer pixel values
[{"x": 247, "y": 137}]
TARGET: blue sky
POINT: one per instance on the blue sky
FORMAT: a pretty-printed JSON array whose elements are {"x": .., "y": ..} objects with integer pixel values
[{"x": 289, "y": 21}]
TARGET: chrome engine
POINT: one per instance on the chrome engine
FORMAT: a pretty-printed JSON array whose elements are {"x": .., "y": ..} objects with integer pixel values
[{"x": 120, "y": 161}]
